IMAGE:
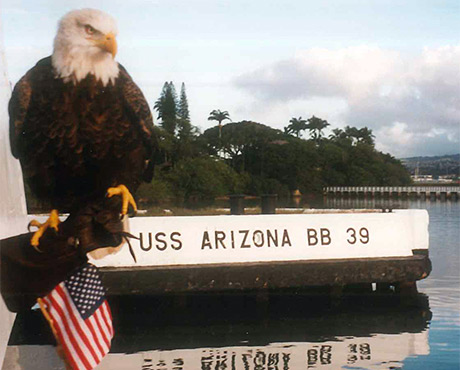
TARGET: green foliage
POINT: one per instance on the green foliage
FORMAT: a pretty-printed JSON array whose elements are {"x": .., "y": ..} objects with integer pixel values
[
  {"x": 183, "y": 111},
  {"x": 359, "y": 164},
  {"x": 219, "y": 116},
  {"x": 155, "y": 192},
  {"x": 293, "y": 163},
  {"x": 166, "y": 106},
  {"x": 203, "y": 177},
  {"x": 183, "y": 116},
  {"x": 177, "y": 137},
  {"x": 261, "y": 185},
  {"x": 252, "y": 158},
  {"x": 296, "y": 126},
  {"x": 239, "y": 140},
  {"x": 268, "y": 155},
  {"x": 274, "y": 159},
  {"x": 316, "y": 126}
]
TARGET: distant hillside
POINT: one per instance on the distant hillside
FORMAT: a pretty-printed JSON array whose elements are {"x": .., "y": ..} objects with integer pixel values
[{"x": 436, "y": 166}]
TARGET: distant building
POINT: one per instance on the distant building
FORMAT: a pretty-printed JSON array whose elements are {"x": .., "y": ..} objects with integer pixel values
[
  {"x": 422, "y": 178},
  {"x": 442, "y": 179},
  {"x": 447, "y": 178}
]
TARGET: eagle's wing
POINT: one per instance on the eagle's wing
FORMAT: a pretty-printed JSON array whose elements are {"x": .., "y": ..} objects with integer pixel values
[
  {"x": 17, "y": 108},
  {"x": 142, "y": 115}
]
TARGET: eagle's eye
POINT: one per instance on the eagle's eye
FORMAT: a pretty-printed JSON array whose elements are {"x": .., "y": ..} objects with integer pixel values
[{"x": 89, "y": 29}]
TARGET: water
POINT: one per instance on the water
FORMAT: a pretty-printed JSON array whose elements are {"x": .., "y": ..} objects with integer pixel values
[{"x": 293, "y": 331}]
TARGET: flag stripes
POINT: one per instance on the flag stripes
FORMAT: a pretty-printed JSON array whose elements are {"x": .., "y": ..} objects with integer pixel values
[{"x": 85, "y": 342}]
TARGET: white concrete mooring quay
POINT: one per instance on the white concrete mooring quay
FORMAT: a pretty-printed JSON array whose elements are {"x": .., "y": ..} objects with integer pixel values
[{"x": 421, "y": 192}]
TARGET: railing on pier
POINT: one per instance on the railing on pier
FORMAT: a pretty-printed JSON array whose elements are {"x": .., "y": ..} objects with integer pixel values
[{"x": 420, "y": 191}]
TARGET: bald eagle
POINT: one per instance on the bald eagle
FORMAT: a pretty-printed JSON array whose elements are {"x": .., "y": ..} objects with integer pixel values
[{"x": 79, "y": 125}]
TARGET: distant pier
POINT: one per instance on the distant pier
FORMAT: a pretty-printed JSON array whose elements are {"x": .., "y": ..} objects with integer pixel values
[{"x": 417, "y": 192}]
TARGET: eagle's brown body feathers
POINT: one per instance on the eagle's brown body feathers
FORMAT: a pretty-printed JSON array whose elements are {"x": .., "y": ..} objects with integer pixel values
[{"x": 74, "y": 140}]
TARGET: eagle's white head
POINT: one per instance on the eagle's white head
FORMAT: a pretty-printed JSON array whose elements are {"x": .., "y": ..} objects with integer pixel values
[{"x": 85, "y": 44}]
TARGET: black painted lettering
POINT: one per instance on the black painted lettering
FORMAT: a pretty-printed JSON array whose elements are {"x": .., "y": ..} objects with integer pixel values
[
  {"x": 326, "y": 355},
  {"x": 258, "y": 238},
  {"x": 219, "y": 237},
  {"x": 312, "y": 237},
  {"x": 273, "y": 360},
  {"x": 286, "y": 358},
  {"x": 178, "y": 362},
  {"x": 365, "y": 349},
  {"x": 141, "y": 239},
  {"x": 272, "y": 238},
  {"x": 163, "y": 245},
  {"x": 352, "y": 235},
  {"x": 176, "y": 242},
  {"x": 312, "y": 357},
  {"x": 364, "y": 233},
  {"x": 245, "y": 236},
  {"x": 286, "y": 240},
  {"x": 325, "y": 236},
  {"x": 206, "y": 242},
  {"x": 232, "y": 236},
  {"x": 260, "y": 359}
]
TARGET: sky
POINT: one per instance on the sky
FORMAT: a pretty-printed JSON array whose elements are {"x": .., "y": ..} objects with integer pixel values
[{"x": 390, "y": 65}]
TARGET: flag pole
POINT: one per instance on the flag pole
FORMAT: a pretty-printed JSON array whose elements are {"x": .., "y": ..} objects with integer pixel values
[{"x": 48, "y": 318}]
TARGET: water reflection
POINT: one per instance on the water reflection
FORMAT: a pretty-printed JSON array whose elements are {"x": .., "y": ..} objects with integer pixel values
[{"x": 299, "y": 330}]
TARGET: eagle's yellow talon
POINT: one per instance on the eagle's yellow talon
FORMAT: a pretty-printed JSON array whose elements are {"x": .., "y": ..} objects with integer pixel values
[
  {"x": 35, "y": 240},
  {"x": 53, "y": 222},
  {"x": 126, "y": 197},
  {"x": 34, "y": 223}
]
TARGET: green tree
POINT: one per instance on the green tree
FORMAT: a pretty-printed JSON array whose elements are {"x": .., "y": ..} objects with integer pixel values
[
  {"x": 352, "y": 133},
  {"x": 296, "y": 126},
  {"x": 166, "y": 106},
  {"x": 219, "y": 116},
  {"x": 337, "y": 135},
  {"x": 316, "y": 126},
  {"x": 240, "y": 142},
  {"x": 183, "y": 115},
  {"x": 274, "y": 161},
  {"x": 203, "y": 177},
  {"x": 355, "y": 135},
  {"x": 293, "y": 163},
  {"x": 365, "y": 136}
]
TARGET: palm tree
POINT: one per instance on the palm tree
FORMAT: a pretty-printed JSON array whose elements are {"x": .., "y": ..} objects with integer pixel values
[
  {"x": 337, "y": 134},
  {"x": 316, "y": 126},
  {"x": 296, "y": 125},
  {"x": 366, "y": 136},
  {"x": 352, "y": 133},
  {"x": 219, "y": 116}
]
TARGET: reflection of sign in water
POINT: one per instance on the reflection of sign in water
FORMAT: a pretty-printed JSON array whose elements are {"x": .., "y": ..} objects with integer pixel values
[
  {"x": 227, "y": 359},
  {"x": 229, "y": 239},
  {"x": 380, "y": 351},
  {"x": 321, "y": 354}
]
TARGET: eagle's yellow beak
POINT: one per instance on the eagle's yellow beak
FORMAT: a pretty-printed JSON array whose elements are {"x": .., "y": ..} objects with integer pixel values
[{"x": 108, "y": 43}]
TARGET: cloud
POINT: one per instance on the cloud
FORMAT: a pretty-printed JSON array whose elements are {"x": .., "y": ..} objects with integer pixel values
[
  {"x": 399, "y": 141},
  {"x": 410, "y": 100},
  {"x": 320, "y": 72}
]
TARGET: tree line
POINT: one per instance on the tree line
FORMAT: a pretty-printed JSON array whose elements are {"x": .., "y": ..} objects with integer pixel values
[{"x": 253, "y": 158}]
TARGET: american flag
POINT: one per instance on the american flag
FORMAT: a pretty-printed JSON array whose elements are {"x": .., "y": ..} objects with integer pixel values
[{"x": 81, "y": 318}]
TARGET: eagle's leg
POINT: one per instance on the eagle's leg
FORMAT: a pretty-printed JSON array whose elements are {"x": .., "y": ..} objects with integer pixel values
[
  {"x": 126, "y": 198},
  {"x": 52, "y": 221}
]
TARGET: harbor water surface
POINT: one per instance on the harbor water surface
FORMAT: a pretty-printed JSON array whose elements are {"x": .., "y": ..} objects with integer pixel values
[{"x": 287, "y": 330}]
